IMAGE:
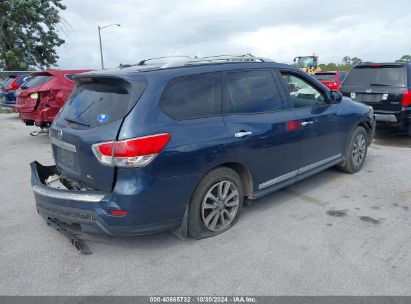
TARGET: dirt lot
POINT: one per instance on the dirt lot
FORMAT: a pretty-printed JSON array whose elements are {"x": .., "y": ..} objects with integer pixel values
[{"x": 333, "y": 233}]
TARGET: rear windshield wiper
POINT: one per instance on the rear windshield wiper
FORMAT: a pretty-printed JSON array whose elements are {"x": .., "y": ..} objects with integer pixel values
[
  {"x": 76, "y": 122},
  {"x": 379, "y": 84}
]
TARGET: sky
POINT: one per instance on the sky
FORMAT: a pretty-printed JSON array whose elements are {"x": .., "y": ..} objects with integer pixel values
[{"x": 372, "y": 30}]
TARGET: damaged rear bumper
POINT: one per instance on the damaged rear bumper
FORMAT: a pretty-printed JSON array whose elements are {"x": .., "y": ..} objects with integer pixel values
[
  {"x": 89, "y": 209},
  {"x": 63, "y": 205}
]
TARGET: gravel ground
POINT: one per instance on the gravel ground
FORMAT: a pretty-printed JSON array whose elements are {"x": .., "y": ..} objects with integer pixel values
[{"x": 332, "y": 234}]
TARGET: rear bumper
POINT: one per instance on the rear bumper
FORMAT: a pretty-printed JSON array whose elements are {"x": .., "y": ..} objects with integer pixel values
[
  {"x": 38, "y": 117},
  {"x": 89, "y": 209},
  {"x": 386, "y": 117},
  {"x": 401, "y": 117}
]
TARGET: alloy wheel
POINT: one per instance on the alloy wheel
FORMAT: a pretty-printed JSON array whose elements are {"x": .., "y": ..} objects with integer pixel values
[
  {"x": 220, "y": 205},
  {"x": 358, "y": 151}
]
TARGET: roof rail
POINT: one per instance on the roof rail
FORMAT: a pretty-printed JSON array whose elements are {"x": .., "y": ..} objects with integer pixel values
[
  {"x": 181, "y": 61},
  {"x": 227, "y": 58},
  {"x": 144, "y": 62},
  {"x": 169, "y": 61}
]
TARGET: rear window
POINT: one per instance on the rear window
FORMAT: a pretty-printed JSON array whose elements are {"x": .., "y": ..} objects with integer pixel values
[
  {"x": 21, "y": 79},
  {"x": 37, "y": 81},
  {"x": 69, "y": 76},
  {"x": 193, "y": 96},
  {"x": 383, "y": 75},
  {"x": 94, "y": 104},
  {"x": 325, "y": 76}
]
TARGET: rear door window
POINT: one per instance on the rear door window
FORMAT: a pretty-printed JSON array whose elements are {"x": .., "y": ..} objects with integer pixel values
[
  {"x": 389, "y": 75},
  {"x": 251, "y": 92},
  {"x": 191, "y": 97},
  {"x": 98, "y": 103},
  {"x": 37, "y": 81}
]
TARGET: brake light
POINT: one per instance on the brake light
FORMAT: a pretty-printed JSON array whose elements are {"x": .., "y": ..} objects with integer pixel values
[
  {"x": 406, "y": 98},
  {"x": 135, "y": 152}
]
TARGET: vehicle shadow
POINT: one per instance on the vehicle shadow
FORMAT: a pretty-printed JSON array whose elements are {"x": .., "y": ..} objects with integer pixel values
[
  {"x": 391, "y": 137},
  {"x": 167, "y": 240},
  {"x": 298, "y": 190}
]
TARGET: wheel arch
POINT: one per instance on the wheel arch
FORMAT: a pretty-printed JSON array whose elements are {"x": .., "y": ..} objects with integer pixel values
[
  {"x": 368, "y": 128},
  {"x": 243, "y": 173},
  {"x": 245, "y": 176}
]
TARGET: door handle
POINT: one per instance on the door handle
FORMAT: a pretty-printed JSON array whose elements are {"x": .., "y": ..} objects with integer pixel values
[
  {"x": 242, "y": 134},
  {"x": 307, "y": 123}
]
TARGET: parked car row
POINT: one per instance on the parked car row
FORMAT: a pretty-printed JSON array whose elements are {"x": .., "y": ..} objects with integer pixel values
[
  {"x": 38, "y": 96},
  {"x": 9, "y": 86},
  {"x": 384, "y": 86}
]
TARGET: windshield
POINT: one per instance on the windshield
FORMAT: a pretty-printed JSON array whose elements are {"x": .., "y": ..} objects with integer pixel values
[
  {"x": 306, "y": 62},
  {"x": 95, "y": 104},
  {"x": 383, "y": 75},
  {"x": 325, "y": 76},
  {"x": 36, "y": 81}
]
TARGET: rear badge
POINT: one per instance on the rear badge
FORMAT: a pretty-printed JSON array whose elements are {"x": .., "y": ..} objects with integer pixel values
[{"x": 102, "y": 118}]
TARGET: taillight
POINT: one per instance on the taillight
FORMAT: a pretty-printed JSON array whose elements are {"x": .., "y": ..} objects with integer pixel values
[
  {"x": 332, "y": 86},
  {"x": 406, "y": 98},
  {"x": 135, "y": 152}
]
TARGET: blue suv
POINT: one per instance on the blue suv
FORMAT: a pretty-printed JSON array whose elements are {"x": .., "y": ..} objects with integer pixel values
[{"x": 181, "y": 145}]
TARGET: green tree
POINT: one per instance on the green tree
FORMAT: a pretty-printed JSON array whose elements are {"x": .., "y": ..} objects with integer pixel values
[
  {"x": 350, "y": 61},
  {"x": 405, "y": 58},
  {"x": 355, "y": 61},
  {"x": 346, "y": 60},
  {"x": 29, "y": 33}
]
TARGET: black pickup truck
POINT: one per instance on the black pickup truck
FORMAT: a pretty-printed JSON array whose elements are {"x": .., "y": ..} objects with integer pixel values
[{"x": 384, "y": 86}]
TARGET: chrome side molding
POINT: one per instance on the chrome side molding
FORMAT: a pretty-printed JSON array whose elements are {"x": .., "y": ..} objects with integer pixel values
[{"x": 294, "y": 173}]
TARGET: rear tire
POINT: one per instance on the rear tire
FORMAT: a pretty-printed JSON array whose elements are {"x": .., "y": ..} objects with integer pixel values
[
  {"x": 409, "y": 129},
  {"x": 356, "y": 151},
  {"x": 216, "y": 203}
]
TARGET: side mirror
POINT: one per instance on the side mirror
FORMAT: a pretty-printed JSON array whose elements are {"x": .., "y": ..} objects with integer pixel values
[{"x": 335, "y": 97}]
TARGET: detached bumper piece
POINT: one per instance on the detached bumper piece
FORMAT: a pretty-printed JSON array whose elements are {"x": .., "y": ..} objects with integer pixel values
[{"x": 68, "y": 233}]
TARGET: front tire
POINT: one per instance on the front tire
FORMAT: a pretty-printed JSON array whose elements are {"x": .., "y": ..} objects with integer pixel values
[
  {"x": 216, "y": 203},
  {"x": 356, "y": 151}
]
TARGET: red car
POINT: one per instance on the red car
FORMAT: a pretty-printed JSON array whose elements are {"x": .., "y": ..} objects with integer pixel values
[
  {"x": 331, "y": 79},
  {"x": 43, "y": 95}
]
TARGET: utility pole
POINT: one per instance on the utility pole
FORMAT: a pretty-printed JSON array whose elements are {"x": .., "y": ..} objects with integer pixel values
[
  {"x": 101, "y": 46},
  {"x": 101, "y": 49}
]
